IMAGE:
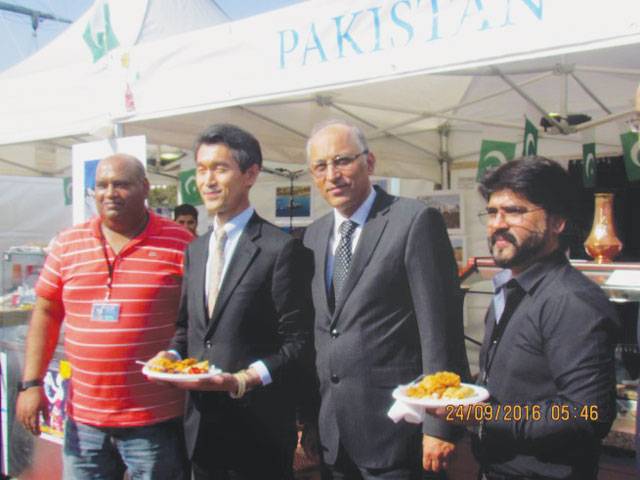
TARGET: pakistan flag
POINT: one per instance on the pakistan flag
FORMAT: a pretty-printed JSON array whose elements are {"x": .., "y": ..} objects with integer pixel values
[
  {"x": 530, "y": 141},
  {"x": 188, "y": 188},
  {"x": 631, "y": 147},
  {"x": 493, "y": 154},
  {"x": 589, "y": 164}
]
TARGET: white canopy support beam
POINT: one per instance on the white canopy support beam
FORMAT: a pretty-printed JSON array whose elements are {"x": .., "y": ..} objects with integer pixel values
[
  {"x": 383, "y": 132},
  {"x": 399, "y": 139},
  {"x": 25, "y": 167},
  {"x": 530, "y": 100},
  {"x": 423, "y": 115},
  {"x": 280, "y": 103},
  {"x": 607, "y": 70},
  {"x": 404, "y": 134},
  {"x": 589, "y": 92},
  {"x": 499, "y": 93},
  {"x": 601, "y": 121},
  {"x": 273, "y": 122}
]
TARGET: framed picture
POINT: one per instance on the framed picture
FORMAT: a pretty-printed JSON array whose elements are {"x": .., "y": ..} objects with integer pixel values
[
  {"x": 449, "y": 203},
  {"x": 459, "y": 248},
  {"x": 293, "y": 202}
]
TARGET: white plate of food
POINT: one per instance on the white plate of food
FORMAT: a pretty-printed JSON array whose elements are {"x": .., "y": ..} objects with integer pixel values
[
  {"x": 179, "y": 371},
  {"x": 439, "y": 390}
]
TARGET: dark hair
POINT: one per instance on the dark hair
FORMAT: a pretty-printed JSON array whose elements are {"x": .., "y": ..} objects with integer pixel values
[
  {"x": 185, "y": 209},
  {"x": 541, "y": 181},
  {"x": 244, "y": 146}
]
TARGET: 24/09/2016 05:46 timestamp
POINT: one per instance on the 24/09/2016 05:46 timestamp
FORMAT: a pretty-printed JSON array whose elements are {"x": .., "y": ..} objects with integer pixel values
[{"x": 485, "y": 412}]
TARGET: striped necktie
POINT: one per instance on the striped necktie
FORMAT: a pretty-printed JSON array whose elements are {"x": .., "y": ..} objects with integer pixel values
[{"x": 343, "y": 257}]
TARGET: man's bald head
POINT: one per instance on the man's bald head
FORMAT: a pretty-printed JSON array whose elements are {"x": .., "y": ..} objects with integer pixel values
[
  {"x": 129, "y": 163},
  {"x": 121, "y": 190}
]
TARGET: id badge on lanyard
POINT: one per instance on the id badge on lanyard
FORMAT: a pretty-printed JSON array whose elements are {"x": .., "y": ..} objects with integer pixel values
[{"x": 106, "y": 311}]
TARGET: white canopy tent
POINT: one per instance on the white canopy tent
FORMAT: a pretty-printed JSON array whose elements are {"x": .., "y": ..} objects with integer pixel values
[{"x": 426, "y": 80}]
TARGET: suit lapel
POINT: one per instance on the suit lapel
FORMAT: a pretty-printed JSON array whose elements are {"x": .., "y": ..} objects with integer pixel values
[
  {"x": 369, "y": 238},
  {"x": 201, "y": 250},
  {"x": 244, "y": 254},
  {"x": 321, "y": 259}
]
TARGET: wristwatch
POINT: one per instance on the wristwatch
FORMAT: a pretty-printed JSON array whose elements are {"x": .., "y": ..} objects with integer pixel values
[{"x": 22, "y": 386}]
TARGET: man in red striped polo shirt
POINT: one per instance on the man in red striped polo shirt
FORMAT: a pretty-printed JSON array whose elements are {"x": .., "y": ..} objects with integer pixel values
[{"x": 115, "y": 282}]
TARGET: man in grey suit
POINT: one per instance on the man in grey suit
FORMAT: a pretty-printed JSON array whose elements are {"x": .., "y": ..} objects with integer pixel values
[
  {"x": 388, "y": 308},
  {"x": 244, "y": 307}
]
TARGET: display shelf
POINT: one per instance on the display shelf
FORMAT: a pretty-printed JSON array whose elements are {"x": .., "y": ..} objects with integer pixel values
[{"x": 476, "y": 277}]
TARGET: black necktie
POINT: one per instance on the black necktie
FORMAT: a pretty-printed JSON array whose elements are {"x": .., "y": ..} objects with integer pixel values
[{"x": 343, "y": 257}]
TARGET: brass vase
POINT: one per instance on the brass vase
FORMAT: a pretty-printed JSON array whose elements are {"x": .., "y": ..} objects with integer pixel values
[{"x": 603, "y": 244}]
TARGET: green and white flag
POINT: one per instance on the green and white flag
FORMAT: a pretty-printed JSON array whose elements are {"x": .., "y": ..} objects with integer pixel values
[
  {"x": 589, "y": 165},
  {"x": 98, "y": 34},
  {"x": 188, "y": 188},
  {"x": 67, "y": 185},
  {"x": 631, "y": 147},
  {"x": 493, "y": 154},
  {"x": 530, "y": 146}
]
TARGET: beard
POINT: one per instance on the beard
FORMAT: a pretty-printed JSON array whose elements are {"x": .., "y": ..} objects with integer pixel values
[{"x": 524, "y": 253}]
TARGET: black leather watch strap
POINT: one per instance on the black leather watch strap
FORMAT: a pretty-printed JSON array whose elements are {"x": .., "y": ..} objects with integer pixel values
[{"x": 22, "y": 386}]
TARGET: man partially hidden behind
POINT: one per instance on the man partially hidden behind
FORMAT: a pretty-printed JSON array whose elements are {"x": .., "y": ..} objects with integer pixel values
[
  {"x": 388, "y": 308},
  {"x": 115, "y": 282},
  {"x": 245, "y": 309},
  {"x": 548, "y": 353},
  {"x": 187, "y": 216}
]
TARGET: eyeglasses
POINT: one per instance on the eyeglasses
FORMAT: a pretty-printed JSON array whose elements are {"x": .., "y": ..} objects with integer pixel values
[
  {"x": 511, "y": 215},
  {"x": 339, "y": 162}
]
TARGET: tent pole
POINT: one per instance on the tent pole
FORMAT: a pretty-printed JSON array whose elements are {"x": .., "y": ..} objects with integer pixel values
[
  {"x": 565, "y": 95},
  {"x": 273, "y": 122},
  {"x": 615, "y": 71},
  {"x": 401, "y": 140},
  {"x": 445, "y": 159},
  {"x": 610, "y": 118},
  {"x": 531, "y": 101},
  {"x": 30, "y": 169},
  {"x": 421, "y": 115},
  {"x": 590, "y": 93}
]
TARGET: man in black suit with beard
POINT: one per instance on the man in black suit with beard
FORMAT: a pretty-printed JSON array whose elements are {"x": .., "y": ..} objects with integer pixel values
[{"x": 245, "y": 308}]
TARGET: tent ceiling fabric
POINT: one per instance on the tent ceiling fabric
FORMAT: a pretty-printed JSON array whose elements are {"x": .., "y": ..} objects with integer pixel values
[
  {"x": 402, "y": 108},
  {"x": 279, "y": 73}
]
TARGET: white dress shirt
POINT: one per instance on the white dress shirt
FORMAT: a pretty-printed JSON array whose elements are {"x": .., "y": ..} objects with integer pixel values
[
  {"x": 234, "y": 229},
  {"x": 358, "y": 217}
]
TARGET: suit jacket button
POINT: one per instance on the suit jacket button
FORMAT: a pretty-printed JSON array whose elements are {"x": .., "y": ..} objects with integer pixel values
[
  {"x": 207, "y": 344},
  {"x": 334, "y": 379},
  {"x": 334, "y": 333}
]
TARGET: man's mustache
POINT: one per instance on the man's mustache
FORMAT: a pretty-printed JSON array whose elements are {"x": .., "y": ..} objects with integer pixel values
[{"x": 503, "y": 235}]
